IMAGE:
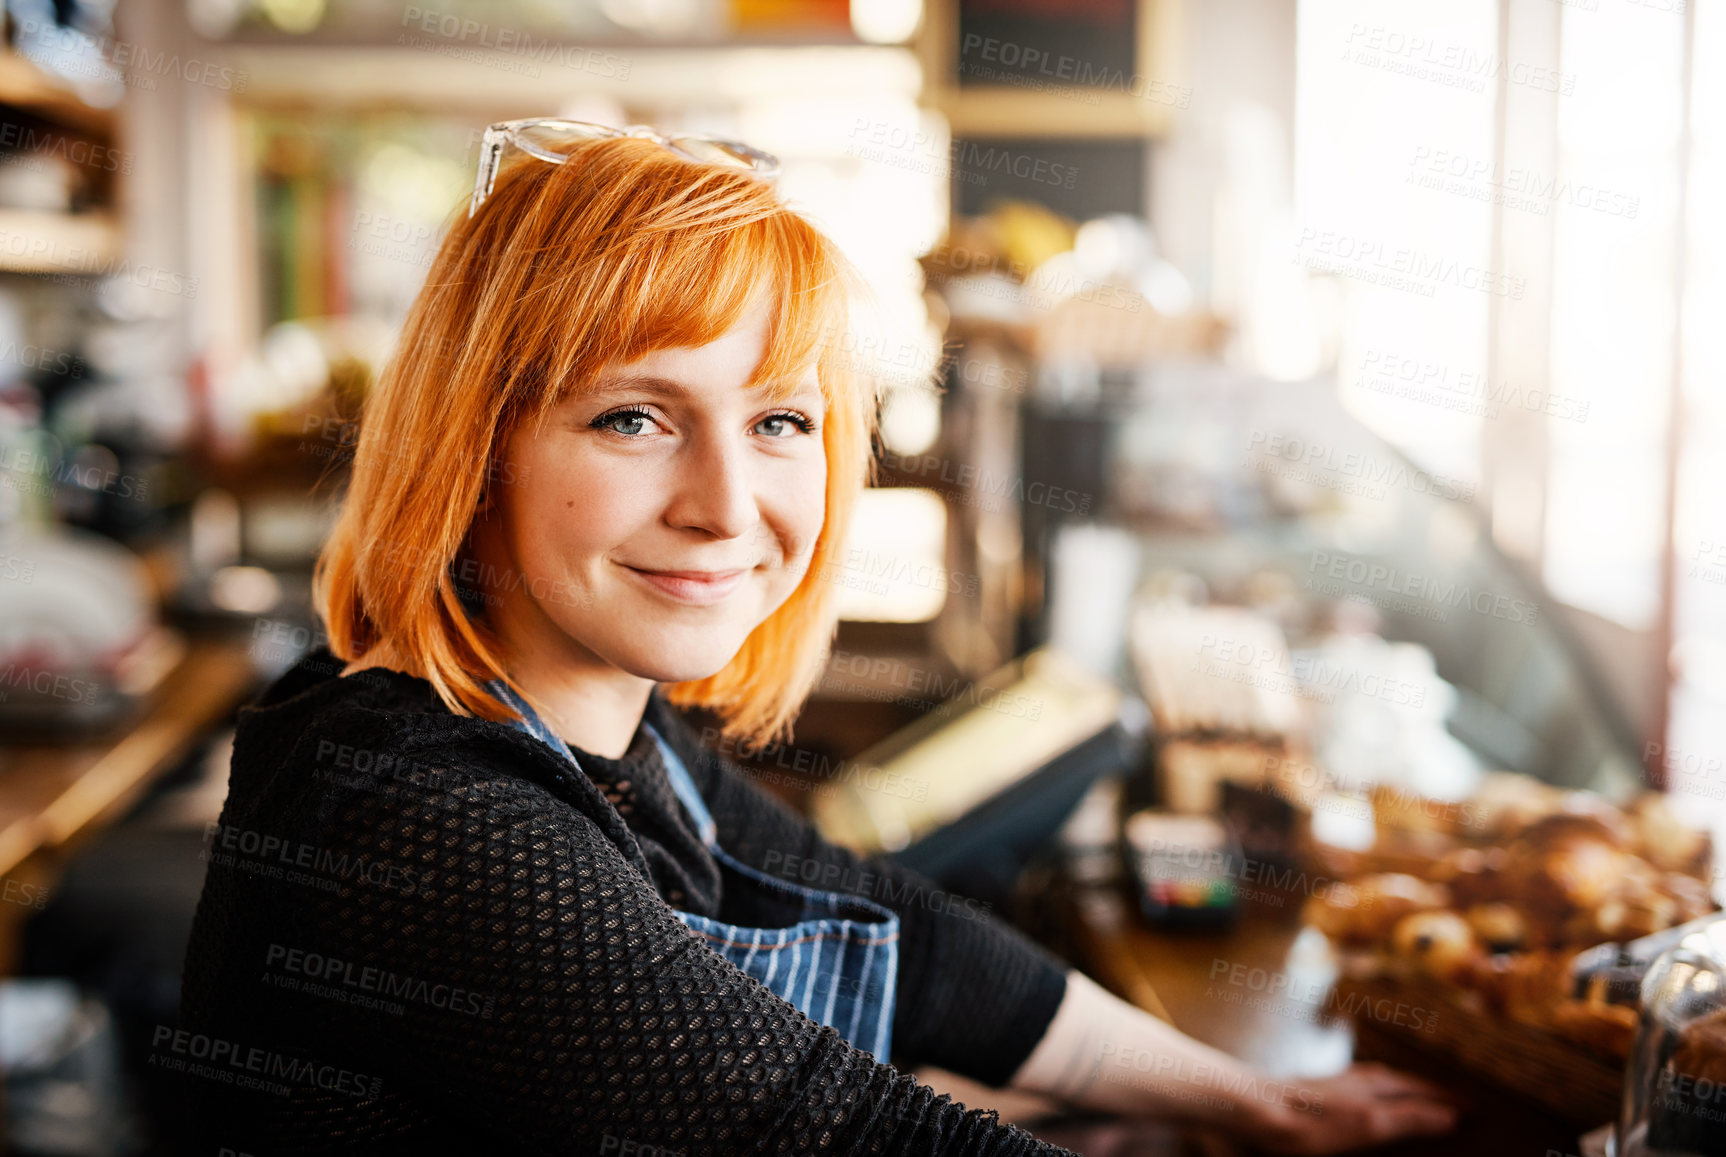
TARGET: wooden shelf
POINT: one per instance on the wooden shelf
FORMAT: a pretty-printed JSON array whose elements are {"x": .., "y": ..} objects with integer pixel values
[
  {"x": 32, "y": 241},
  {"x": 25, "y": 86},
  {"x": 1004, "y": 111}
]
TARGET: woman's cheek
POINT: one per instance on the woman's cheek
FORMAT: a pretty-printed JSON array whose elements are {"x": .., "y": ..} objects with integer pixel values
[
  {"x": 589, "y": 505},
  {"x": 813, "y": 507}
]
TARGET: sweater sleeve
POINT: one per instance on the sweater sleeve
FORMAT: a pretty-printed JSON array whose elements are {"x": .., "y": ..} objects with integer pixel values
[
  {"x": 599, "y": 1015},
  {"x": 974, "y": 995}
]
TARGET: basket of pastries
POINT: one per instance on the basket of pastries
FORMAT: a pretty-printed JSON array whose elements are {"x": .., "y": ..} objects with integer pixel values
[{"x": 1487, "y": 910}]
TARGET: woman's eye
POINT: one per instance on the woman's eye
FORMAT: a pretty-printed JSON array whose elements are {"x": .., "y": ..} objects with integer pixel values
[
  {"x": 626, "y": 422},
  {"x": 779, "y": 422}
]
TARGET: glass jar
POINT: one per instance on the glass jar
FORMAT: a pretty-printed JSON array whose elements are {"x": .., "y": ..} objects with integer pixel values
[{"x": 1675, "y": 1089}]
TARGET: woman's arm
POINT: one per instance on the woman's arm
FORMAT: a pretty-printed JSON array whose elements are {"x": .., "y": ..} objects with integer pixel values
[{"x": 1102, "y": 1053}]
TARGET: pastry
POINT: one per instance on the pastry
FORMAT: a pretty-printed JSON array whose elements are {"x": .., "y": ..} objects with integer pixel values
[
  {"x": 1473, "y": 875},
  {"x": 1368, "y": 909},
  {"x": 1500, "y": 927},
  {"x": 1439, "y": 944},
  {"x": 1564, "y": 861},
  {"x": 1665, "y": 840}
]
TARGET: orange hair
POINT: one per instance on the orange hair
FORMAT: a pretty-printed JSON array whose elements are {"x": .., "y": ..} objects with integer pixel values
[{"x": 624, "y": 249}]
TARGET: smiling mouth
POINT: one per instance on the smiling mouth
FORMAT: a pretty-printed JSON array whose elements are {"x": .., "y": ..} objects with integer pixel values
[{"x": 694, "y": 587}]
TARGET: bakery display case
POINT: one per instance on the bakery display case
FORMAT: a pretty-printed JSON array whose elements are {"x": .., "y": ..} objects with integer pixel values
[{"x": 1417, "y": 654}]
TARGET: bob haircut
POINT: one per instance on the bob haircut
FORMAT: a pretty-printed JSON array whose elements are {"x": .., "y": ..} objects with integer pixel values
[{"x": 624, "y": 249}]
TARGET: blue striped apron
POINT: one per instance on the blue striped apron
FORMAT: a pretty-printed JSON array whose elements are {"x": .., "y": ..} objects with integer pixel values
[{"x": 837, "y": 960}]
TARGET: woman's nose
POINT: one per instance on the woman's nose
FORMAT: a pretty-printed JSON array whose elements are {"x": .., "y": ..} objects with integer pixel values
[{"x": 715, "y": 488}]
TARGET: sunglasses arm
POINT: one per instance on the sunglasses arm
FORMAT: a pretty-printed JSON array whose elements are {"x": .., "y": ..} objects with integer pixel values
[{"x": 491, "y": 148}]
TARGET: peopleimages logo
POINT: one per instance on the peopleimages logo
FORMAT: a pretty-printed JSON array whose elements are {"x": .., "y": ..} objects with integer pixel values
[
  {"x": 629, "y": 1147},
  {"x": 234, "y": 1063},
  {"x": 39, "y": 681},
  {"x": 262, "y": 853},
  {"x": 1707, "y": 561},
  {"x": 1396, "y": 266},
  {"x": 139, "y": 66},
  {"x": 969, "y": 476},
  {"x": 1322, "y": 464},
  {"x": 1307, "y": 674},
  {"x": 1276, "y": 991},
  {"x": 900, "y": 894},
  {"x": 54, "y": 465},
  {"x": 1427, "y": 589},
  {"x": 969, "y": 161},
  {"x": 979, "y": 55},
  {"x": 456, "y": 32},
  {"x": 1442, "y": 62},
  {"x": 885, "y": 570},
  {"x": 25, "y": 141},
  {"x": 1228, "y": 1078},
  {"x": 345, "y": 979},
  {"x": 1464, "y": 391},
  {"x": 1706, "y": 771},
  {"x": 1527, "y": 190},
  {"x": 810, "y": 764}
]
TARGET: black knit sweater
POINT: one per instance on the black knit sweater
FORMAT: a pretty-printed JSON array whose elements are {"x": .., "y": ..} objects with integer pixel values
[{"x": 425, "y": 933}]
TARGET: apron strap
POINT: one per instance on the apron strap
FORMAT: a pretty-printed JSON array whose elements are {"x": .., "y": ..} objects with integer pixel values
[
  {"x": 681, "y": 783},
  {"x": 531, "y": 723},
  {"x": 685, "y": 789}
]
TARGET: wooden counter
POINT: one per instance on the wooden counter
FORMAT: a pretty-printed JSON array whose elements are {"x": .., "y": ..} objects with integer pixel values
[{"x": 53, "y": 796}]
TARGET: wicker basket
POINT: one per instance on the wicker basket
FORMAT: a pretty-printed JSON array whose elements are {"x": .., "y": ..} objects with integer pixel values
[{"x": 1573, "y": 1081}]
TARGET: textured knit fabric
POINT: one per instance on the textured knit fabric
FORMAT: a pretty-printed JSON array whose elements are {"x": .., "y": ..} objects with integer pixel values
[
  {"x": 423, "y": 933},
  {"x": 637, "y": 785}
]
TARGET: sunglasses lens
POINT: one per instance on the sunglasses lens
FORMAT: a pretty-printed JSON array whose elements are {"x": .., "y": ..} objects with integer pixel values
[
  {"x": 721, "y": 152},
  {"x": 559, "y": 138}
]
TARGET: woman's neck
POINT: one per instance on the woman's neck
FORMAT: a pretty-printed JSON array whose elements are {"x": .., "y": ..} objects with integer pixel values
[
  {"x": 597, "y": 710},
  {"x": 597, "y": 713}
]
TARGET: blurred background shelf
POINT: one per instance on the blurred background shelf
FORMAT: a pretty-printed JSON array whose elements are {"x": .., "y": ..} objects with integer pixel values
[
  {"x": 25, "y": 86},
  {"x": 45, "y": 242}
]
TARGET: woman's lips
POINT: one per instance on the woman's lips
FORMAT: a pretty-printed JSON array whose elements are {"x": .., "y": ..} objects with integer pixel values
[{"x": 698, "y": 588}]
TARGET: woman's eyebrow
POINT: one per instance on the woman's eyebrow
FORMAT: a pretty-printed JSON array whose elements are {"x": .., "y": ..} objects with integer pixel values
[
  {"x": 810, "y": 390},
  {"x": 651, "y": 383},
  {"x": 668, "y": 387}
]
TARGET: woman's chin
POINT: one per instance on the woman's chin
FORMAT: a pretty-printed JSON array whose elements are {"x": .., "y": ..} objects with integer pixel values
[
  {"x": 684, "y": 665},
  {"x": 682, "y": 674}
]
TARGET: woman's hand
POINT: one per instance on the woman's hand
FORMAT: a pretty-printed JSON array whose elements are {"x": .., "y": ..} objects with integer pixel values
[
  {"x": 1368, "y": 1104},
  {"x": 1103, "y": 1054}
]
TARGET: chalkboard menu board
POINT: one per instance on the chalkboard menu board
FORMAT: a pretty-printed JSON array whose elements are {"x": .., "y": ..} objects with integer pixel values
[
  {"x": 1081, "y": 177},
  {"x": 1048, "y": 45}
]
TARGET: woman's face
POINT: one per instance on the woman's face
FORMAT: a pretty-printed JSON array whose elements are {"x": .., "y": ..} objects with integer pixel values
[{"x": 658, "y": 518}]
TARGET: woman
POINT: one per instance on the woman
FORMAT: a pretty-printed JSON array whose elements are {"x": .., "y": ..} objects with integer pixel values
[{"x": 476, "y": 886}]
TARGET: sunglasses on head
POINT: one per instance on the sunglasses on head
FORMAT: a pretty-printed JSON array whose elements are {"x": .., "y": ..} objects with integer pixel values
[{"x": 548, "y": 138}]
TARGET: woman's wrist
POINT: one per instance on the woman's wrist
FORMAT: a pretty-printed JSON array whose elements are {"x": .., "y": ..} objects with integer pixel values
[
  {"x": 1199, "y": 1085},
  {"x": 1102, "y": 1053},
  {"x": 1266, "y": 1108}
]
